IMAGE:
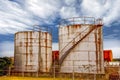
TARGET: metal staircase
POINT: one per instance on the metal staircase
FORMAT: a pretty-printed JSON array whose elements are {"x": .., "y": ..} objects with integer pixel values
[{"x": 77, "y": 39}]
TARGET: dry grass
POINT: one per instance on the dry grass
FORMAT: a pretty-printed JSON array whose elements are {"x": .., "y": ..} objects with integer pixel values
[
  {"x": 39, "y": 78},
  {"x": 30, "y": 78}
]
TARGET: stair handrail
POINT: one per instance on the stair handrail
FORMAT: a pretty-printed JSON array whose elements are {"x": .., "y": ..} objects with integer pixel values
[
  {"x": 74, "y": 39},
  {"x": 77, "y": 41}
]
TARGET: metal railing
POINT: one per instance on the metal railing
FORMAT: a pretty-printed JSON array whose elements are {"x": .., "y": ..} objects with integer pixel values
[{"x": 77, "y": 20}]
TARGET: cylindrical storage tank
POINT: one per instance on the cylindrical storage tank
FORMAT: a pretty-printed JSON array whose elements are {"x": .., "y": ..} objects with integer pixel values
[
  {"x": 81, "y": 46},
  {"x": 33, "y": 51}
]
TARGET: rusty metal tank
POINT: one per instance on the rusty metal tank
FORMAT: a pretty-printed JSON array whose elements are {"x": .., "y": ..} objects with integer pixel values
[
  {"x": 33, "y": 51},
  {"x": 81, "y": 46}
]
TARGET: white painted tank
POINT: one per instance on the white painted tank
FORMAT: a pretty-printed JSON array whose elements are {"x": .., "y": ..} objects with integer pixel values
[
  {"x": 33, "y": 51},
  {"x": 81, "y": 47}
]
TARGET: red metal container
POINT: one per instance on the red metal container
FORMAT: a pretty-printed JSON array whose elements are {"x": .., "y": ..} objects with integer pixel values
[
  {"x": 55, "y": 56},
  {"x": 108, "y": 55}
]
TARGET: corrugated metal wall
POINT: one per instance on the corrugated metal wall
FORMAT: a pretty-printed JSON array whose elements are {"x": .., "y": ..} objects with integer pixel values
[
  {"x": 87, "y": 55},
  {"x": 33, "y": 51}
]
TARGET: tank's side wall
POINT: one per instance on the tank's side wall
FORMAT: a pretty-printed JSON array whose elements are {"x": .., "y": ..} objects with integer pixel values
[
  {"x": 30, "y": 50},
  {"x": 84, "y": 56},
  {"x": 27, "y": 51}
]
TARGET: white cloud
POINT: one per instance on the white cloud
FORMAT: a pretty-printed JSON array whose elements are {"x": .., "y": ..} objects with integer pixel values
[
  {"x": 68, "y": 12},
  {"x": 108, "y": 10},
  {"x": 91, "y": 8},
  {"x": 42, "y": 8},
  {"x": 24, "y": 15},
  {"x": 7, "y": 49},
  {"x": 113, "y": 45},
  {"x": 113, "y": 13},
  {"x": 116, "y": 51},
  {"x": 70, "y": 2},
  {"x": 55, "y": 46},
  {"x": 15, "y": 17}
]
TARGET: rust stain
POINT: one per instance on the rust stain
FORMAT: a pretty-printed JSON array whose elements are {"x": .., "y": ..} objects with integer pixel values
[
  {"x": 68, "y": 31},
  {"x": 31, "y": 46},
  {"x": 100, "y": 46},
  {"x": 26, "y": 50},
  {"x": 20, "y": 44},
  {"x": 39, "y": 54},
  {"x": 46, "y": 49},
  {"x": 96, "y": 41}
]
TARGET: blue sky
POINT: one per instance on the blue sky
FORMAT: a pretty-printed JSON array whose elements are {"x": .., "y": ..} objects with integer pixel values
[{"x": 20, "y": 15}]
